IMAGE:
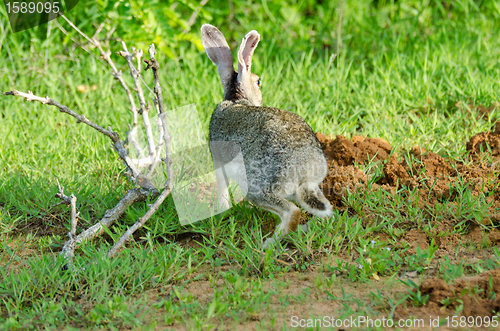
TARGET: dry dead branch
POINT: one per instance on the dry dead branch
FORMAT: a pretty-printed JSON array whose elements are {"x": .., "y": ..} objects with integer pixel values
[
  {"x": 71, "y": 200},
  {"x": 152, "y": 63},
  {"x": 146, "y": 188},
  {"x": 110, "y": 216}
]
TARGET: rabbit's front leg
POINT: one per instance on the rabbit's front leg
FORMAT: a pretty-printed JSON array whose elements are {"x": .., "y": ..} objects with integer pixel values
[{"x": 222, "y": 188}]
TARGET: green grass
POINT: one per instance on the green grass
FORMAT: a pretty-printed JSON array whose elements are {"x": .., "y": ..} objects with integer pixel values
[{"x": 405, "y": 72}]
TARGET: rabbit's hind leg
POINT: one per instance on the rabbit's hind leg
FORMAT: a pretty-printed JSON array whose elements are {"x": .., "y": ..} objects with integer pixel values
[
  {"x": 313, "y": 201},
  {"x": 288, "y": 212}
]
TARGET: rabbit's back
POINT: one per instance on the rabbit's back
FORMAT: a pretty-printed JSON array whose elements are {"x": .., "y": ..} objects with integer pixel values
[
  {"x": 269, "y": 125},
  {"x": 277, "y": 146}
]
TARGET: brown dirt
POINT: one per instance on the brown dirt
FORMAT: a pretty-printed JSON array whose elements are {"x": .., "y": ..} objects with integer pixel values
[
  {"x": 430, "y": 179},
  {"x": 303, "y": 297},
  {"x": 343, "y": 152},
  {"x": 480, "y": 296},
  {"x": 46, "y": 225},
  {"x": 485, "y": 142},
  {"x": 435, "y": 179},
  {"x": 416, "y": 239}
]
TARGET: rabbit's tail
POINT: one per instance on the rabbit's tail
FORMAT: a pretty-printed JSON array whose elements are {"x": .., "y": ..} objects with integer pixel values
[{"x": 312, "y": 200}]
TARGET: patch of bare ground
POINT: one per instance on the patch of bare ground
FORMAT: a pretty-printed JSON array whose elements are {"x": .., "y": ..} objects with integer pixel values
[
  {"x": 299, "y": 295},
  {"x": 473, "y": 296},
  {"x": 435, "y": 177},
  {"x": 46, "y": 225},
  {"x": 19, "y": 251}
]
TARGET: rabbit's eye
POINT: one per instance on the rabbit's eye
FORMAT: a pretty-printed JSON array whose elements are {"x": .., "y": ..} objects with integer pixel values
[{"x": 258, "y": 82}]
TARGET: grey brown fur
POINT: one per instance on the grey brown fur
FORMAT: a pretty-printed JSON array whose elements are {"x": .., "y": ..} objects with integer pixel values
[{"x": 281, "y": 160}]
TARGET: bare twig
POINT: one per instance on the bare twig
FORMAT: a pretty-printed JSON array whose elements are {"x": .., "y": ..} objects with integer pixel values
[
  {"x": 152, "y": 159},
  {"x": 138, "y": 87},
  {"x": 74, "y": 216},
  {"x": 152, "y": 209},
  {"x": 71, "y": 200},
  {"x": 77, "y": 30},
  {"x": 138, "y": 56},
  {"x": 161, "y": 141},
  {"x": 104, "y": 40},
  {"x": 111, "y": 215},
  {"x": 83, "y": 46},
  {"x": 60, "y": 195},
  {"x": 108, "y": 36},
  {"x": 143, "y": 82},
  {"x": 99, "y": 28},
  {"x": 152, "y": 63},
  {"x": 158, "y": 100},
  {"x": 31, "y": 97}
]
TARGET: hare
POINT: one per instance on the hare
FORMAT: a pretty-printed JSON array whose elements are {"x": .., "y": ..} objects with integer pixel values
[{"x": 273, "y": 154}]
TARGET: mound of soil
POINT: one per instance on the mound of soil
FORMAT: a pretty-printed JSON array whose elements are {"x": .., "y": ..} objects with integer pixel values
[
  {"x": 479, "y": 295},
  {"x": 434, "y": 184},
  {"x": 341, "y": 179},
  {"x": 436, "y": 179},
  {"x": 344, "y": 152},
  {"x": 485, "y": 142}
]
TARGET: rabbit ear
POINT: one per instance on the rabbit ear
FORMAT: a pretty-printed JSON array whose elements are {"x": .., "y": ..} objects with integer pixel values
[
  {"x": 247, "y": 83},
  {"x": 219, "y": 52},
  {"x": 245, "y": 52}
]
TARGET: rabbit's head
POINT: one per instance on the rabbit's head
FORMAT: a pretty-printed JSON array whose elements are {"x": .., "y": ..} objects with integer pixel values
[{"x": 237, "y": 85}]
